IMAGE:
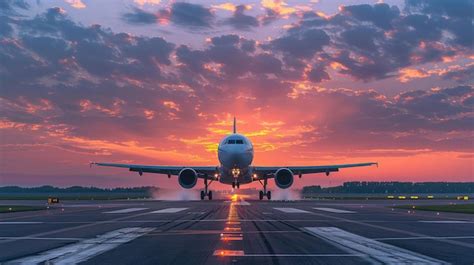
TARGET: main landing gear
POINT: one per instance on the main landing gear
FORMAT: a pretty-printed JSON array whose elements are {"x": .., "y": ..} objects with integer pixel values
[
  {"x": 264, "y": 192},
  {"x": 206, "y": 192},
  {"x": 261, "y": 194}
]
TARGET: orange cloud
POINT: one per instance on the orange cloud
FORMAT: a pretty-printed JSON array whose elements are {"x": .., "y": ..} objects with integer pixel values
[
  {"x": 76, "y": 4},
  {"x": 408, "y": 74},
  {"x": 230, "y": 7},
  {"x": 278, "y": 6},
  {"x": 147, "y": 2},
  {"x": 87, "y": 105},
  {"x": 171, "y": 105}
]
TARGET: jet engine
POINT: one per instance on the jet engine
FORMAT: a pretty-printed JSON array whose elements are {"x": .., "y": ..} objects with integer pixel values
[
  {"x": 187, "y": 178},
  {"x": 283, "y": 178}
]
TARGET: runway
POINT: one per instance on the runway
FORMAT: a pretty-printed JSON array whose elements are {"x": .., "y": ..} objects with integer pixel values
[{"x": 235, "y": 232}]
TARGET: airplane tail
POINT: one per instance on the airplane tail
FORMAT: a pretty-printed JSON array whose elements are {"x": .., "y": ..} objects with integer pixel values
[{"x": 235, "y": 125}]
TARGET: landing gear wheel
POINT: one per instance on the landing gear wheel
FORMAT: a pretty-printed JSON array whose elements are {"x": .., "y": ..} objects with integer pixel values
[
  {"x": 233, "y": 185},
  {"x": 269, "y": 195},
  {"x": 238, "y": 185},
  {"x": 260, "y": 195},
  {"x": 209, "y": 195},
  {"x": 203, "y": 194}
]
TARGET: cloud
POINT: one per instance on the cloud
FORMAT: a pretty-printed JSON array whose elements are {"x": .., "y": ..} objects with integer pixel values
[
  {"x": 458, "y": 14},
  {"x": 147, "y": 2},
  {"x": 301, "y": 43},
  {"x": 76, "y": 4},
  {"x": 462, "y": 74},
  {"x": 318, "y": 73},
  {"x": 189, "y": 15},
  {"x": 139, "y": 16},
  {"x": 279, "y": 7},
  {"x": 459, "y": 8},
  {"x": 375, "y": 41},
  {"x": 241, "y": 21},
  {"x": 381, "y": 15}
]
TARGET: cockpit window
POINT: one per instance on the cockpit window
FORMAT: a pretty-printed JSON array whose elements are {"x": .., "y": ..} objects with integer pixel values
[{"x": 235, "y": 141}]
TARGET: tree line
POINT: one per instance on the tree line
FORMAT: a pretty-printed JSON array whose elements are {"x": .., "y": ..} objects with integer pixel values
[
  {"x": 75, "y": 189},
  {"x": 394, "y": 187}
]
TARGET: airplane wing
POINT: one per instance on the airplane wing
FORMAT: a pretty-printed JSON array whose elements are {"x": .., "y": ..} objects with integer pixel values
[
  {"x": 166, "y": 170},
  {"x": 300, "y": 170}
]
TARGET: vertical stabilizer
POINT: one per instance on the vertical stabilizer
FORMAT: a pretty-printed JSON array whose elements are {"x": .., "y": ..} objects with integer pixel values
[{"x": 235, "y": 125}]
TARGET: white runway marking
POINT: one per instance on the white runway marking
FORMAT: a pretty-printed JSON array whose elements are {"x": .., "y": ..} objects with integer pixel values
[
  {"x": 446, "y": 222},
  {"x": 19, "y": 223},
  {"x": 332, "y": 210},
  {"x": 84, "y": 250},
  {"x": 303, "y": 255},
  {"x": 375, "y": 251},
  {"x": 42, "y": 238},
  {"x": 169, "y": 210},
  {"x": 243, "y": 203},
  {"x": 423, "y": 237},
  {"x": 291, "y": 210},
  {"x": 128, "y": 210}
]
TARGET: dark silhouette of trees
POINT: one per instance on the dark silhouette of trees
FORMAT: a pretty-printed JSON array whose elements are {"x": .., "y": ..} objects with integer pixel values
[{"x": 395, "y": 187}]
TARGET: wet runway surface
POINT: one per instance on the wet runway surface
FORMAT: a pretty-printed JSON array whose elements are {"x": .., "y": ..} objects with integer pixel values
[{"x": 236, "y": 232}]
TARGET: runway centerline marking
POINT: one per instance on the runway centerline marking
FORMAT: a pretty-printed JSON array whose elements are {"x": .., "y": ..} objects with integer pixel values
[
  {"x": 332, "y": 210},
  {"x": 128, "y": 210},
  {"x": 170, "y": 210},
  {"x": 301, "y": 255},
  {"x": 290, "y": 210},
  {"x": 86, "y": 249},
  {"x": 375, "y": 251}
]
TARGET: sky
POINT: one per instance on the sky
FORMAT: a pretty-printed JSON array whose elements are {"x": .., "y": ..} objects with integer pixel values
[{"x": 310, "y": 82}]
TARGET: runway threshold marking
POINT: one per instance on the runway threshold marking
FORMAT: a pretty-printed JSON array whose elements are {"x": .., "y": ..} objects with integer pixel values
[
  {"x": 128, "y": 210},
  {"x": 374, "y": 251},
  {"x": 170, "y": 210},
  {"x": 86, "y": 249},
  {"x": 332, "y": 210},
  {"x": 290, "y": 210}
]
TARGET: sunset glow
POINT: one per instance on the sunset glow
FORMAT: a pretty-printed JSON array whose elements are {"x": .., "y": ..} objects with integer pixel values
[{"x": 318, "y": 83}]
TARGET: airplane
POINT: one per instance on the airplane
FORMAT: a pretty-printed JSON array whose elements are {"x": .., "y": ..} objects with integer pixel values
[{"x": 235, "y": 154}]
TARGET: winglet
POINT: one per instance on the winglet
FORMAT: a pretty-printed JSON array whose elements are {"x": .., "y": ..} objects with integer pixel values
[{"x": 235, "y": 125}]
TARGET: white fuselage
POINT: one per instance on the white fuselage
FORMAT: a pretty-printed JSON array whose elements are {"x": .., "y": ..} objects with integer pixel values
[{"x": 235, "y": 153}]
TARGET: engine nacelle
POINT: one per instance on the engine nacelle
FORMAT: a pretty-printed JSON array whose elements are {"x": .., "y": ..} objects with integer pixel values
[
  {"x": 284, "y": 178},
  {"x": 187, "y": 178}
]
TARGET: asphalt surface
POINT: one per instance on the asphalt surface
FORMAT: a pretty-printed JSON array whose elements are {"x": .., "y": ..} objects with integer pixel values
[{"x": 239, "y": 232}]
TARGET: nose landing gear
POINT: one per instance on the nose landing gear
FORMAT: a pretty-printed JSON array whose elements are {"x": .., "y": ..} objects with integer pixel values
[{"x": 235, "y": 184}]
